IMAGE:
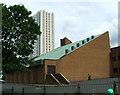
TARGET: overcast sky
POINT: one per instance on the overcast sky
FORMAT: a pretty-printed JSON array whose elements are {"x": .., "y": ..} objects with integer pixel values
[{"x": 78, "y": 20}]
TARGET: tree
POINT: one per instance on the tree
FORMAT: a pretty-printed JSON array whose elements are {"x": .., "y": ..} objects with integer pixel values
[{"x": 19, "y": 32}]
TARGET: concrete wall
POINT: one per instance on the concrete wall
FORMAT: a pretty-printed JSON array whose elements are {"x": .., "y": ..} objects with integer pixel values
[{"x": 92, "y": 58}]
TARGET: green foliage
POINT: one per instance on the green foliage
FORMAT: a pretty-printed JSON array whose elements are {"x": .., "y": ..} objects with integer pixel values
[
  {"x": 19, "y": 32},
  {"x": 89, "y": 77},
  {"x": 3, "y": 77}
]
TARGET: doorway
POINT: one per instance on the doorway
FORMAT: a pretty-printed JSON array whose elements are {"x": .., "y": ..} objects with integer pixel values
[{"x": 51, "y": 69}]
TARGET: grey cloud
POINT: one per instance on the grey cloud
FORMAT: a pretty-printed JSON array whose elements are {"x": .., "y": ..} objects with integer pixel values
[{"x": 78, "y": 20}]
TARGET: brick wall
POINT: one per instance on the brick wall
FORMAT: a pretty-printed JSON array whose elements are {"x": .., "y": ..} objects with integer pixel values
[
  {"x": 92, "y": 58},
  {"x": 36, "y": 75}
]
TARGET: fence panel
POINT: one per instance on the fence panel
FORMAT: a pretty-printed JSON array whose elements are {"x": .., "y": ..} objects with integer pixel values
[{"x": 74, "y": 88}]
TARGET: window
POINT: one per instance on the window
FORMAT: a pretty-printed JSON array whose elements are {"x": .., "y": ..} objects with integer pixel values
[
  {"x": 119, "y": 58},
  {"x": 72, "y": 48},
  {"x": 87, "y": 39},
  {"x": 62, "y": 42},
  {"x": 115, "y": 70},
  {"x": 78, "y": 44},
  {"x": 92, "y": 37},
  {"x": 66, "y": 51},
  {"x": 113, "y": 59},
  {"x": 51, "y": 69},
  {"x": 83, "y": 42}
]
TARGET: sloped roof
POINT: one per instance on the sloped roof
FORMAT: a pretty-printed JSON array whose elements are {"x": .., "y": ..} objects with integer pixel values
[{"x": 60, "y": 51}]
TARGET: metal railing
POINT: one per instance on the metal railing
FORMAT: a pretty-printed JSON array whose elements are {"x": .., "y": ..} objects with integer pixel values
[{"x": 82, "y": 89}]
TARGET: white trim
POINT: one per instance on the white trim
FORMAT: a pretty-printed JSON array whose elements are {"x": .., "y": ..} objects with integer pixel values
[
  {"x": 55, "y": 78},
  {"x": 64, "y": 77}
]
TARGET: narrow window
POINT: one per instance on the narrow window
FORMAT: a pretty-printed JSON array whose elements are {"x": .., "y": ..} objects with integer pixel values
[
  {"x": 113, "y": 59},
  {"x": 83, "y": 42},
  {"x": 92, "y": 37},
  {"x": 88, "y": 39},
  {"x": 72, "y": 48},
  {"x": 66, "y": 51},
  {"x": 78, "y": 44},
  {"x": 115, "y": 70},
  {"x": 119, "y": 58}
]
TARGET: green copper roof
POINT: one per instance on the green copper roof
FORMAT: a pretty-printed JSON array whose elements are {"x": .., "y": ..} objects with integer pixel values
[{"x": 60, "y": 51}]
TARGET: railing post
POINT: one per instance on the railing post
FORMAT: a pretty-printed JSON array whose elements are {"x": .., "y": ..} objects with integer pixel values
[
  {"x": 44, "y": 88},
  {"x": 12, "y": 90},
  {"x": 78, "y": 88},
  {"x": 23, "y": 91},
  {"x": 114, "y": 86}
]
